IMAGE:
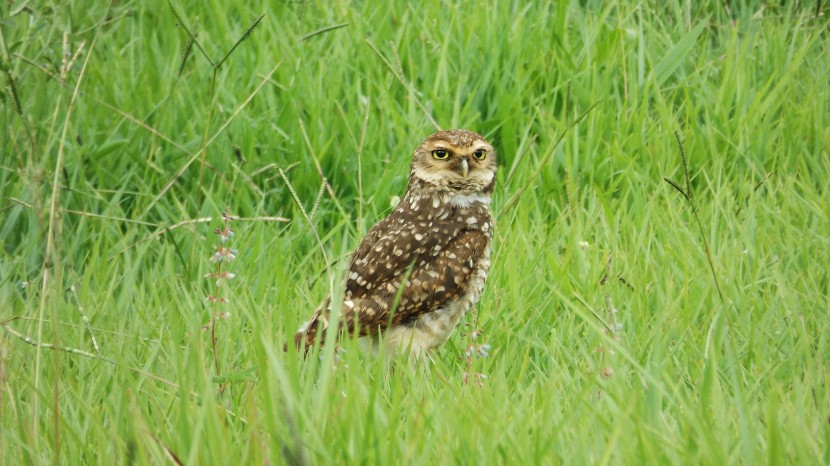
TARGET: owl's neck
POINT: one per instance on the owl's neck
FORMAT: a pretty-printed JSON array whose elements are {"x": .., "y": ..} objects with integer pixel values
[
  {"x": 420, "y": 186},
  {"x": 469, "y": 200},
  {"x": 422, "y": 193}
]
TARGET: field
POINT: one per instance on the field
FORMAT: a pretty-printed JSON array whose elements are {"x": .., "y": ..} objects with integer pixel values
[{"x": 659, "y": 288}]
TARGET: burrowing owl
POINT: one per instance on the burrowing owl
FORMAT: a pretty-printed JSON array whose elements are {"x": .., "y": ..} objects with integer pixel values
[{"x": 436, "y": 245}]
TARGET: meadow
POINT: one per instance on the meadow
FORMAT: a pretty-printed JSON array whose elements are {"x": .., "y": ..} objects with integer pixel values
[{"x": 659, "y": 287}]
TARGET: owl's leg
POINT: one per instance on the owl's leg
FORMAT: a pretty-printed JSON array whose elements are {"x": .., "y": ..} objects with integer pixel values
[{"x": 408, "y": 340}]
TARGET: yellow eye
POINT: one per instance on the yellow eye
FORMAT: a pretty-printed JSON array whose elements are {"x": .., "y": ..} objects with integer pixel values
[
  {"x": 480, "y": 154},
  {"x": 441, "y": 154}
]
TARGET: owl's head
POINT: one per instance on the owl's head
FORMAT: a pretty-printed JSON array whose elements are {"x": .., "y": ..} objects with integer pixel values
[{"x": 457, "y": 161}]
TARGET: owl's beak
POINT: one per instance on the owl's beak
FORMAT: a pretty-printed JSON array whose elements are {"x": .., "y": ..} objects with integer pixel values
[{"x": 465, "y": 168}]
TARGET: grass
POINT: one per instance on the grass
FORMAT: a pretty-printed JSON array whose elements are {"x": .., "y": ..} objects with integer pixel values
[{"x": 609, "y": 341}]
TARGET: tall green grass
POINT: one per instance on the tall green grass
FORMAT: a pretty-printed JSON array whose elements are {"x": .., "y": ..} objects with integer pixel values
[{"x": 610, "y": 342}]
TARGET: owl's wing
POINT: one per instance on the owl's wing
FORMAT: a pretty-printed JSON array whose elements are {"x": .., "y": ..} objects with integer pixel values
[
  {"x": 391, "y": 247},
  {"x": 434, "y": 268},
  {"x": 434, "y": 265}
]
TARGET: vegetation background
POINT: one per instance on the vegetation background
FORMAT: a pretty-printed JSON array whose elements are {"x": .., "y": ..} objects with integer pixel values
[{"x": 629, "y": 320}]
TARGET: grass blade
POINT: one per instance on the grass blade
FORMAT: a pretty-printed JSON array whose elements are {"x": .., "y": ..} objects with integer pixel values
[{"x": 678, "y": 53}]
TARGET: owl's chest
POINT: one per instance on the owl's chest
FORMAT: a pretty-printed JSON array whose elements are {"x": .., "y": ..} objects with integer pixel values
[{"x": 436, "y": 327}]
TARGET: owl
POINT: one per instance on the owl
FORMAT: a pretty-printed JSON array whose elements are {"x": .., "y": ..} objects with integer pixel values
[{"x": 419, "y": 270}]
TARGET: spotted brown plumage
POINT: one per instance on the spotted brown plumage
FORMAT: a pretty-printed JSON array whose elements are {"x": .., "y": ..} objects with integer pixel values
[{"x": 435, "y": 245}]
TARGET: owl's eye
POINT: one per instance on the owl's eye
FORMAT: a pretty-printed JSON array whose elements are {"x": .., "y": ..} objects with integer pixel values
[
  {"x": 479, "y": 154},
  {"x": 441, "y": 154}
]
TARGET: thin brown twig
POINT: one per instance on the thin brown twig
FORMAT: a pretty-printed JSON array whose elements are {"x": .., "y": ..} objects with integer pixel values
[
  {"x": 171, "y": 455},
  {"x": 593, "y": 312},
  {"x": 213, "y": 345}
]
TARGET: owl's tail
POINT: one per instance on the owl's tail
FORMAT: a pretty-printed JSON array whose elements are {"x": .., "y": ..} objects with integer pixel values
[
  {"x": 312, "y": 329},
  {"x": 316, "y": 327}
]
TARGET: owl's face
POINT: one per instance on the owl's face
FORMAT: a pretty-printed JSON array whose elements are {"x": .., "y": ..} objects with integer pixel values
[{"x": 457, "y": 161}]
